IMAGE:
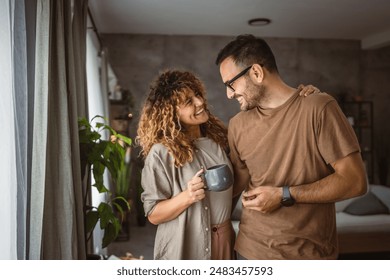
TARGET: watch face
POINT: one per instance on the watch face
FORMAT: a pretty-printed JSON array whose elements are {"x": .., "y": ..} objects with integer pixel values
[{"x": 287, "y": 202}]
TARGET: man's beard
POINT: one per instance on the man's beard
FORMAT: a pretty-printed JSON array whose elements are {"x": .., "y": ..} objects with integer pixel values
[{"x": 254, "y": 96}]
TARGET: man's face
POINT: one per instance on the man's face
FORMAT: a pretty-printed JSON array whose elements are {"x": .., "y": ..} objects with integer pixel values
[{"x": 247, "y": 93}]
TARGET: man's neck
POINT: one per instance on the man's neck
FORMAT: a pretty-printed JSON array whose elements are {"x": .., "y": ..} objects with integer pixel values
[{"x": 277, "y": 94}]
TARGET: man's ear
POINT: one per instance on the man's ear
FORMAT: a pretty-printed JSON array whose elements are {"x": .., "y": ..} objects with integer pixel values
[{"x": 258, "y": 73}]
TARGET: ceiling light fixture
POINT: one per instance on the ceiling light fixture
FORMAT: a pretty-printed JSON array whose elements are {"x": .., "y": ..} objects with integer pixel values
[{"x": 259, "y": 21}]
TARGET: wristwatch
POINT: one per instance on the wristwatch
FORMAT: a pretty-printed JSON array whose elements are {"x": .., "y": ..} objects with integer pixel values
[{"x": 287, "y": 199}]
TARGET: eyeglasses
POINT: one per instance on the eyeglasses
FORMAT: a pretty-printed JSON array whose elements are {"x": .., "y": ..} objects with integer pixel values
[{"x": 229, "y": 83}]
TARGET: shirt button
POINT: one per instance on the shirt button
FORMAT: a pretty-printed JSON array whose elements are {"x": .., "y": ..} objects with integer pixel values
[
  {"x": 207, "y": 249},
  {"x": 205, "y": 208},
  {"x": 207, "y": 229}
]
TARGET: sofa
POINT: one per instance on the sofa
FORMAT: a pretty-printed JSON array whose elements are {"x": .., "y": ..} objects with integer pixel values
[{"x": 363, "y": 223}]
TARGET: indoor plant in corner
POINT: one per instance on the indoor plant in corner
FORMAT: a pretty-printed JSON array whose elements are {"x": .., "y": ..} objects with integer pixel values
[
  {"x": 122, "y": 188},
  {"x": 97, "y": 155}
]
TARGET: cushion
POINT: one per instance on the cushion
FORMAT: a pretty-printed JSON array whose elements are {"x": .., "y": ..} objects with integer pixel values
[
  {"x": 343, "y": 204},
  {"x": 367, "y": 205},
  {"x": 382, "y": 193}
]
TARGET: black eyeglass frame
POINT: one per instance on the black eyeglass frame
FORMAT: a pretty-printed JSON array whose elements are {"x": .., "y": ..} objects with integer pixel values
[{"x": 228, "y": 83}]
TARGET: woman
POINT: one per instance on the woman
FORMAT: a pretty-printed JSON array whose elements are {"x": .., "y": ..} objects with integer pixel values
[{"x": 178, "y": 135}]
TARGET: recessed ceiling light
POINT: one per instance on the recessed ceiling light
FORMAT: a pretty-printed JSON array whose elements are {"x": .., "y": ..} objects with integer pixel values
[{"x": 259, "y": 21}]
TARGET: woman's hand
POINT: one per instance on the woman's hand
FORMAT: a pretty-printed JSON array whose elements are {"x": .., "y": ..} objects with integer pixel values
[
  {"x": 307, "y": 90},
  {"x": 195, "y": 188}
]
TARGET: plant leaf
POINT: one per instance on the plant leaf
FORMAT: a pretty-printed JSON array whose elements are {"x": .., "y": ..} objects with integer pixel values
[
  {"x": 83, "y": 122},
  {"x": 99, "y": 124},
  {"x": 125, "y": 139},
  {"x": 106, "y": 214},
  {"x": 110, "y": 234},
  {"x": 92, "y": 218},
  {"x": 122, "y": 205},
  {"x": 99, "y": 117}
]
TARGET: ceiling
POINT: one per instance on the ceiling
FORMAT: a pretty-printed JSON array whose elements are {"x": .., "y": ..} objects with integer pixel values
[{"x": 365, "y": 20}]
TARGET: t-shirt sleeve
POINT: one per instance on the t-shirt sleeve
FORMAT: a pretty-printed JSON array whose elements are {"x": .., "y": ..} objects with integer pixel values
[
  {"x": 155, "y": 183},
  {"x": 336, "y": 137}
]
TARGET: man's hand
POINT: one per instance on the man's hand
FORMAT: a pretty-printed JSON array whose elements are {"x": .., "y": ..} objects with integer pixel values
[{"x": 264, "y": 199}]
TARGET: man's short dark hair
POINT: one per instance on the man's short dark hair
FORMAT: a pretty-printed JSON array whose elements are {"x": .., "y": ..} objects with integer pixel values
[{"x": 246, "y": 50}]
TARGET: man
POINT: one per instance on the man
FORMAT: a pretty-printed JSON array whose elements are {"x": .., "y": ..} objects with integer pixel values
[{"x": 294, "y": 157}]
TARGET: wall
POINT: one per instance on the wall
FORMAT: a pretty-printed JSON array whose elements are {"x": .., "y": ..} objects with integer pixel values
[
  {"x": 376, "y": 87},
  {"x": 338, "y": 67}
]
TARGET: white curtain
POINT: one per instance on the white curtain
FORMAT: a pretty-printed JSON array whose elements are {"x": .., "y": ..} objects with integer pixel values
[
  {"x": 39, "y": 141},
  {"x": 97, "y": 105},
  {"x": 14, "y": 153},
  {"x": 8, "y": 187},
  {"x": 21, "y": 121},
  {"x": 30, "y": 10}
]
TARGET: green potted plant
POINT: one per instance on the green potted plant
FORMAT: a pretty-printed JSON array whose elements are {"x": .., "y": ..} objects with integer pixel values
[
  {"x": 122, "y": 189},
  {"x": 122, "y": 183},
  {"x": 98, "y": 155}
]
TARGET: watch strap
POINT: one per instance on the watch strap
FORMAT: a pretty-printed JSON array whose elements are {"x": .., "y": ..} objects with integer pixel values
[
  {"x": 286, "y": 192},
  {"x": 287, "y": 199}
]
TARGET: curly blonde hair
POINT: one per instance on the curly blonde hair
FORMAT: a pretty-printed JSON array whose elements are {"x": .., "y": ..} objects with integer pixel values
[{"x": 159, "y": 120}]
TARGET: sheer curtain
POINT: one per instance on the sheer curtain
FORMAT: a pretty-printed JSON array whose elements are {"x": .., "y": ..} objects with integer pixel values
[
  {"x": 8, "y": 240},
  {"x": 21, "y": 121},
  {"x": 14, "y": 119},
  {"x": 30, "y": 10},
  {"x": 39, "y": 137},
  {"x": 97, "y": 78}
]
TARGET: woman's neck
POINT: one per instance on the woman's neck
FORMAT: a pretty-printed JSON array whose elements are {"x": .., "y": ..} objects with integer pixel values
[{"x": 193, "y": 132}]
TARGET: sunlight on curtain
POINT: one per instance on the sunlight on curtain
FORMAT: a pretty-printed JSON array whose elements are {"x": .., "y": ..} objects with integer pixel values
[
  {"x": 7, "y": 148},
  {"x": 97, "y": 105},
  {"x": 39, "y": 141},
  {"x": 21, "y": 121}
]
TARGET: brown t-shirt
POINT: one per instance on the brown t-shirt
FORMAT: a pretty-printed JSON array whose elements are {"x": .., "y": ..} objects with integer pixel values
[{"x": 289, "y": 145}]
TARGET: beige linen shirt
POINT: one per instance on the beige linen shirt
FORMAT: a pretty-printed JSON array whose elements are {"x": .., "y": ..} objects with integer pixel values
[
  {"x": 188, "y": 236},
  {"x": 289, "y": 145}
]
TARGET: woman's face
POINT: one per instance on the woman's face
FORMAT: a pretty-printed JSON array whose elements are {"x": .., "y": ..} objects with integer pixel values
[{"x": 191, "y": 111}]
